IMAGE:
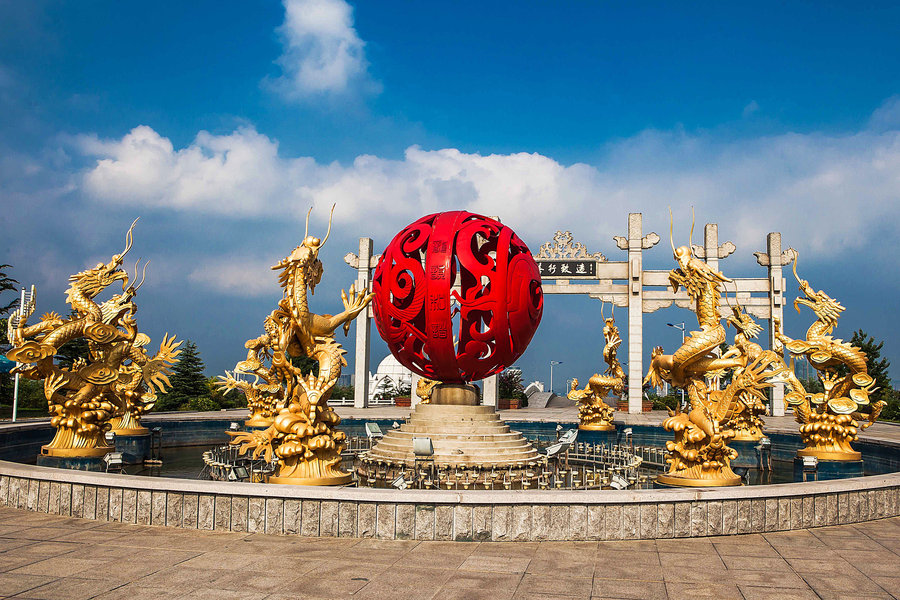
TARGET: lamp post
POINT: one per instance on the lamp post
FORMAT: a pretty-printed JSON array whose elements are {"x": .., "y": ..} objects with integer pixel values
[
  {"x": 681, "y": 327},
  {"x": 552, "y": 364}
]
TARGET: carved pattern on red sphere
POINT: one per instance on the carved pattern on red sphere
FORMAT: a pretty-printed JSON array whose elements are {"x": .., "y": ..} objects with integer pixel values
[{"x": 493, "y": 315}]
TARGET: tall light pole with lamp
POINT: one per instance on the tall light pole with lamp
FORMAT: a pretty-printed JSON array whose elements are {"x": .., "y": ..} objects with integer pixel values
[
  {"x": 681, "y": 327},
  {"x": 552, "y": 364}
]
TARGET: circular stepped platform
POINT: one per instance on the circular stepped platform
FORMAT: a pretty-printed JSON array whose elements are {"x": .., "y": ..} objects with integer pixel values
[{"x": 461, "y": 435}]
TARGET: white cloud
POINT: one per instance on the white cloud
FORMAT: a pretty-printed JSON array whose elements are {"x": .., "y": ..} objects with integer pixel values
[
  {"x": 236, "y": 174},
  {"x": 237, "y": 276},
  {"x": 323, "y": 55},
  {"x": 826, "y": 193}
]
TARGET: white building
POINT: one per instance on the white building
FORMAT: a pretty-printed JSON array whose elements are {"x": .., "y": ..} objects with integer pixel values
[{"x": 390, "y": 375}]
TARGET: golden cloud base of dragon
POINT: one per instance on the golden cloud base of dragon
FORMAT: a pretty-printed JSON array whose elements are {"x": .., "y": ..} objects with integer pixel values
[
  {"x": 128, "y": 424},
  {"x": 257, "y": 420},
  {"x": 602, "y": 426}
]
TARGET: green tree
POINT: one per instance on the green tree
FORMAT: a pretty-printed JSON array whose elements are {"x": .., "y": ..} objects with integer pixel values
[
  {"x": 187, "y": 379},
  {"x": 7, "y": 284},
  {"x": 220, "y": 400},
  {"x": 306, "y": 365},
  {"x": 510, "y": 385}
]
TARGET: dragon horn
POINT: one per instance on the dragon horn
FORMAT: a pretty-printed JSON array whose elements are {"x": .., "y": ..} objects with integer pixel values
[
  {"x": 602, "y": 303},
  {"x": 143, "y": 275},
  {"x": 306, "y": 233},
  {"x": 612, "y": 313},
  {"x": 327, "y": 233},
  {"x": 671, "y": 227},
  {"x": 691, "y": 237},
  {"x": 129, "y": 237}
]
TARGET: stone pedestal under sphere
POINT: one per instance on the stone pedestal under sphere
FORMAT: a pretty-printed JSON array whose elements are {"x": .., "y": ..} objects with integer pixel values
[{"x": 462, "y": 435}]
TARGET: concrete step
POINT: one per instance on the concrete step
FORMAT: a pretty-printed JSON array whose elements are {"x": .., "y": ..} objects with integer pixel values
[
  {"x": 456, "y": 429},
  {"x": 438, "y": 418},
  {"x": 450, "y": 409},
  {"x": 500, "y": 446},
  {"x": 499, "y": 436}
]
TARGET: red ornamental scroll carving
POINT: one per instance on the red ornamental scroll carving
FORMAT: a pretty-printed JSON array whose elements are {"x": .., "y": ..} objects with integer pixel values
[{"x": 457, "y": 335}]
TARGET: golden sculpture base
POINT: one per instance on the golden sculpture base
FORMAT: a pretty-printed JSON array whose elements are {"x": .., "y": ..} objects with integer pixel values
[
  {"x": 740, "y": 436},
  {"x": 337, "y": 480},
  {"x": 77, "y": 452},
  {"x": 597, "y": 427},
  {"x": 257, "y": 421},
  {"x": 830, "y": 454},
  {"x": 675, "y": 480},
  {"x": 459, "y": 394},
  {"x": 132, "y": 431}
]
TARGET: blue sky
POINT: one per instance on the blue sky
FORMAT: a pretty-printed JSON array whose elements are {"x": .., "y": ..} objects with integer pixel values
[{"x": 221, "y": 122}]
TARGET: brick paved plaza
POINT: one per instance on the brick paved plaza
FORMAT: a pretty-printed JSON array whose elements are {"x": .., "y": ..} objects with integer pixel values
[{"x": 52, "y": 557}]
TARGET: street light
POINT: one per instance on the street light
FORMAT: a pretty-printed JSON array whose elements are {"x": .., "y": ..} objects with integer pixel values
[
  {"x": 552, "y": 364},
  {"x": 681, "y": 327}
]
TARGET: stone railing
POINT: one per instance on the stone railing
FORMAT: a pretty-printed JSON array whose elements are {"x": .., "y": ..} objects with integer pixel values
[{"x": 448, "y": 515}]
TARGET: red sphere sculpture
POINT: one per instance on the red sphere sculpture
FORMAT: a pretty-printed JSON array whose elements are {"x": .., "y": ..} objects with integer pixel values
[{"x": 465, "y": 334}]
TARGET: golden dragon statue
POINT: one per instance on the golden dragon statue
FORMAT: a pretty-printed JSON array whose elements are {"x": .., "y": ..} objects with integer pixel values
[
  {"x": 118, "y": 380},
  {"x": 593, "y": 413},
  {"x": 829, "y": 420},
  {"x": 304, "y": 435},
  {"x": 265, "y": 399},
  {"x": 699, "y": 456},
  {"x": 747, "y": 420}
]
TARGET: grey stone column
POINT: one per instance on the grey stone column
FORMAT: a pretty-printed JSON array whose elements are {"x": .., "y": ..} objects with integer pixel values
[
  {"x": 711, "y": 243},
  {"x": 776, "y": 309},
  {"x": 363, "y": 327},
  {"x": 490, "y": 389},
  {"x": 635, "y": 312}
]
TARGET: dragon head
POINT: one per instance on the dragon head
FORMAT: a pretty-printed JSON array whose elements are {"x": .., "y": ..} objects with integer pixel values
[
  {"x": 691, "y": 271},
  {"x": 91, "y": 282},
  {"x": 743, "y": 323},
  {"x": 306, "y": 257},
  {"x": 824, "y": 306}
]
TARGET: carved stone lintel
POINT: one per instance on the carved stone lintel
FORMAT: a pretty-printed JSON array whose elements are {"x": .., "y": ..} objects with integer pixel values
[
  {"x": 616, "y": 299},
  {"x": 787, "y": 257},
  {"x": 725, "y": 250},
  {"x": 563, "y": 246},
  {"x": 654, "y": 305},
  {"x": 353, "y": 260},
  {"x": 649, "y": 240},
  {"x": 686, "y": 303}
]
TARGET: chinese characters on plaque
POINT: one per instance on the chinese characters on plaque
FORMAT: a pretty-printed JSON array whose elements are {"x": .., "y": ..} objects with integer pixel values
[{"x": 564, "y": 269}]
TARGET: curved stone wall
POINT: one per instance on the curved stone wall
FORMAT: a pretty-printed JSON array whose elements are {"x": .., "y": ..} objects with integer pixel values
[
  {"x": 447, "y": 515},
  {"x": 444, "y": 515}
]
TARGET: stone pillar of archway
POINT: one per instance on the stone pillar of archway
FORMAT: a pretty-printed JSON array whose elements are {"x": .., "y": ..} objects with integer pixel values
[
  {"x": 635, "y": 312},
  {"x": 776, "y": 306},
  {"x": 364, "y": 262}
]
